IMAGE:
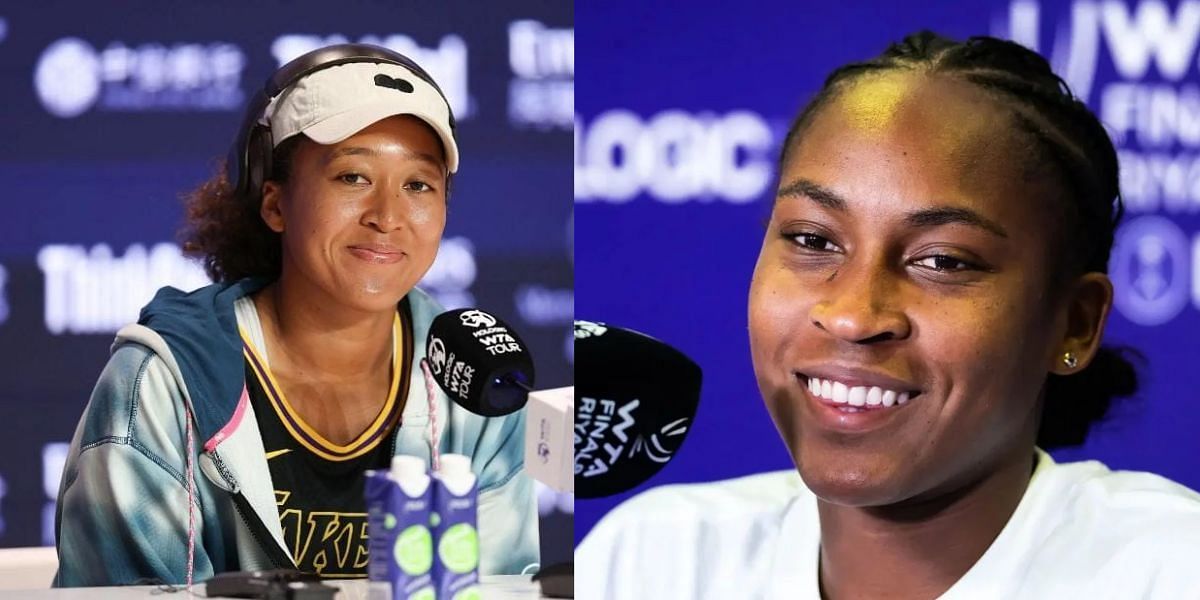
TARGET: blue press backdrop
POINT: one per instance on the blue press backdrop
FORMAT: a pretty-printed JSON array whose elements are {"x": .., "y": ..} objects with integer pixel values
[
  {"x": 113, "y": 110},
  {"x": 679, "y": 123}
]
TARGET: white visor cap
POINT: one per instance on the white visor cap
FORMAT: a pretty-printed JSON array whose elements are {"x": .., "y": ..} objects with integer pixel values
[{"x": 335, "y": 103}]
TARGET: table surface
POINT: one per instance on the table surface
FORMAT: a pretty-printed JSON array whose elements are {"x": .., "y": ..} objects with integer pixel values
[{"x": 494, "y": 587}]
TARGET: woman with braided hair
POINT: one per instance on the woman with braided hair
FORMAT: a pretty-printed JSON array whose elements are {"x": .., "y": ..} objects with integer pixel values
[{"x": 925, "y": 320}]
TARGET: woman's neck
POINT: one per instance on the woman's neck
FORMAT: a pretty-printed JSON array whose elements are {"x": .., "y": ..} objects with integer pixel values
[
  {"x": 917, "y": 550},
  {"x": 314, "y": 335}
]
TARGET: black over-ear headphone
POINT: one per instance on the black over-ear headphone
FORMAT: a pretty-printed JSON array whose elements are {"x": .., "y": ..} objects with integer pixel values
[{"x": 249, "y": 161}]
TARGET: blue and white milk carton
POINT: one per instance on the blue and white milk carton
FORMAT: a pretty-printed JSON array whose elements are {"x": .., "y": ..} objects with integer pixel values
[
  {"x": 455, "y": 499},
  {"x": 399, "y": 504}
]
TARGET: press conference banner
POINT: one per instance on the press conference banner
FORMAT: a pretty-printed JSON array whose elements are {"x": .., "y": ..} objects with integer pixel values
[
  {"x": 677, "y": 129},
  {"x": 113, "y": 111}
]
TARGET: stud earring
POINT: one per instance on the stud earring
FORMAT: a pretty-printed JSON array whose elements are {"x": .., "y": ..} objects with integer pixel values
[{"x": 1070, "y": 360}]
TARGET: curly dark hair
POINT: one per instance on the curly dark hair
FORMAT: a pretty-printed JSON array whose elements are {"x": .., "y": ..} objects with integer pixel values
[
  {"x": 225, "y": 230},
  {"x": 1068, "y": 137}
]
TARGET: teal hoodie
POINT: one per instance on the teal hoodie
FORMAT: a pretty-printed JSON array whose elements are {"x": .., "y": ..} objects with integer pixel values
[{"x": 122, "y": 513}]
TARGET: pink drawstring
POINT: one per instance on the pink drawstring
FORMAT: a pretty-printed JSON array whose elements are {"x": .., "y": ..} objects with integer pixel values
[
  {"x": 191, "y": 486},
  {"x": 430, "y": 394}
]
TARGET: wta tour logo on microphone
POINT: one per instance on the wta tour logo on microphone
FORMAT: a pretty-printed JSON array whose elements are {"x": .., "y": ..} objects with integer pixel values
[
  {"x": 587, "y": 329},
  {"x": 636, "y": 397},
  {"x": 477, "y": 319},
  {"x": 601, "y": 428},
  {"x": 495, "y": 337},
  {"x": 454, "y": 375},
  {"x": 464, "y": 342}
]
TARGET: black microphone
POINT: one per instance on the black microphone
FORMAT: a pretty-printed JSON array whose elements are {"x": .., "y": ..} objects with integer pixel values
[
  {"x": 479, "y": 361},
  {"x": 635, "y": 399}
]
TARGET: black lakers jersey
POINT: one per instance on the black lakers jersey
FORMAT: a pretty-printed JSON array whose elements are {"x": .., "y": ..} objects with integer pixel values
[{"x": 318, "y": 484}]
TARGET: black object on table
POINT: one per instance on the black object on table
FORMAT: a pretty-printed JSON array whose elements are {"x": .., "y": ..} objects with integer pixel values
[
  {"x": 277, "y": 584},
  {"x": 557, "y": 581}
]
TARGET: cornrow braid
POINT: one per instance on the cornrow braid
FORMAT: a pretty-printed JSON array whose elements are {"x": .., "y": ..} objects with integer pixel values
[{"x": 1069, "y": 138}]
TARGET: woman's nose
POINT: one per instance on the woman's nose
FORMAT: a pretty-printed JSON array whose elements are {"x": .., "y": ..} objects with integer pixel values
[
  {"x": 387, "y": 209},
  {"x": 860, "y": 303}
]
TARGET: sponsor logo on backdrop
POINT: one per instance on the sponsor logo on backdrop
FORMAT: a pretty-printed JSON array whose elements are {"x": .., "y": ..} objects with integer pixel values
[
  {"x": 1149, "y": 268},
  {"x": 446, "y": 62},
  {"x": 674, "y": 157},
  {"x": 543, "y": 306},
  {"x": 541, "y": 93},
  {"x": 3, "y": 295},
  {"x": 72, "y": 77},
  {"x": 1150, "y": 102},
  {"x": 548, "y": 307},
  {"x": 453, "y": 273},
  {"x": 94, "y": 291},
  {"x": 54, "y": 457}
]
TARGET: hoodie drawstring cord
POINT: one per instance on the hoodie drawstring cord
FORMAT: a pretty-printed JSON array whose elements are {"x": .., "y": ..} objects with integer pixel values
[
  {"x": 191, "y": 487},
  {"x": 430, "y": 394}
]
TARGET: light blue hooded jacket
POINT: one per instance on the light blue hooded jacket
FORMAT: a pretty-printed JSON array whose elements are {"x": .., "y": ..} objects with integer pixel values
[{"x": 122, "y": 510}]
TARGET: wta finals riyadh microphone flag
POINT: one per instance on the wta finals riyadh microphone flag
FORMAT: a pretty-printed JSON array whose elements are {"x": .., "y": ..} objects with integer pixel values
[
  {"x": 678, "y": 128},
  {"x": 114, "y": 112}
]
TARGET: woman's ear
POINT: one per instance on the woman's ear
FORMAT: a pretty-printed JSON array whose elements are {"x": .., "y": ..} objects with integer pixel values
[
  {"x": 1089, "y": 301},
  {"x": 271, "y": 209}
]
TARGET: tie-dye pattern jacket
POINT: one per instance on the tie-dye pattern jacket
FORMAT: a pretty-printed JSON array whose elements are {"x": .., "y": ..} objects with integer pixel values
[{"x": 123, "y": 502}]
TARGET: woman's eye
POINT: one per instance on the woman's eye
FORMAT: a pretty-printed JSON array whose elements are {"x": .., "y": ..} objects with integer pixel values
[
  {"x": 941, "y": 262},
  {"x": 353, "y": 179},
  {"x": 810, "y": 241}
]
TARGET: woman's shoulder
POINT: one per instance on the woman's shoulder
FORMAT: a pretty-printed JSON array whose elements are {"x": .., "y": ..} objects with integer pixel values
[
  {"x": 735, "y": 505},
  {"x": 1103, "y": 532},
  {"x": 694, "y": 540},
  {"x": 1128, "y": 516},
  {"x": 136, "y": 393},
  {"x": 1122, "y": 495}
]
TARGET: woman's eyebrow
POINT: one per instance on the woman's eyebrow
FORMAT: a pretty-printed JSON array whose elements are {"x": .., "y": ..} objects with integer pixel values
[
  {"x": 352, "y": 150},
  {"x": 349, "y": 151},
  {"x": 947, "y": 215},
  {"x": 926, "y": 217},
  {"x": 803, "y": 188}
]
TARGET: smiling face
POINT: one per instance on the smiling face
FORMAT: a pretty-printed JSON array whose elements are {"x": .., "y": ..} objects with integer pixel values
[
  {"x": 907, "y": 258},
  {"x": 361, "y": 219}
]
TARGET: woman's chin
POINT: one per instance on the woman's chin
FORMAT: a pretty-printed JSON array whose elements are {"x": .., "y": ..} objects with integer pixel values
[
  {"x": 373, "y": 296},
  {"x": 857, "y": 485}
]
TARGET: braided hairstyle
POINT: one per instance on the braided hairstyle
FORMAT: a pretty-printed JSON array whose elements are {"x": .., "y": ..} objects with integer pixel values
[{"x": 1066, "y": 137}]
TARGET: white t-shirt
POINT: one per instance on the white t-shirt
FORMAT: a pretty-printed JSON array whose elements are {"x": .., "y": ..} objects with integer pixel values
[{"x": 1080, "y": 531}]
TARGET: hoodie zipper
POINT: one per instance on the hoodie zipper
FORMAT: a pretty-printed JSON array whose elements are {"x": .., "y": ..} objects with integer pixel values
[{"x": 279, "y": 559}]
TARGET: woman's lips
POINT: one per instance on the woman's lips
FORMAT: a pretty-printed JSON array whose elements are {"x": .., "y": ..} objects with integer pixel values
[{"x": 379, "y": 255}]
